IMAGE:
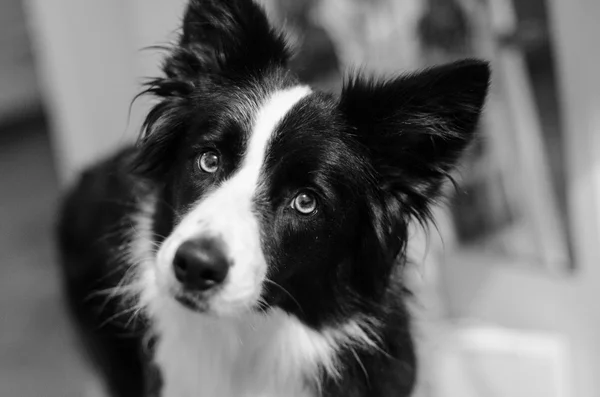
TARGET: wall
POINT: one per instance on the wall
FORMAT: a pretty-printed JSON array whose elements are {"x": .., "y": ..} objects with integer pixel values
[
  {"x": 19, "y": 91},
  {"x": 527, "y": 299},
  {"x": 90, "y": 64}
]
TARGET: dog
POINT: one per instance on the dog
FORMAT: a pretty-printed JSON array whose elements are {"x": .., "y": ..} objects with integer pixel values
[{"x": 255, "y": 235}]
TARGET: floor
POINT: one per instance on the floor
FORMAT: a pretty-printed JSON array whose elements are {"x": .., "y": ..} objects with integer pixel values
[{"x": 38, "y": 354}]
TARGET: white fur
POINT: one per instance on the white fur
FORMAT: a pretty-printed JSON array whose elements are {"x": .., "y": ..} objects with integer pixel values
[{"x": 252, "y": 355}]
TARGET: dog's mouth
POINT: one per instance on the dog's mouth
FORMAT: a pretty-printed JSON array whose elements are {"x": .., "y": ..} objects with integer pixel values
[
  {"x": 195, "y": 304},
  {"x": 201, "y": 303}
]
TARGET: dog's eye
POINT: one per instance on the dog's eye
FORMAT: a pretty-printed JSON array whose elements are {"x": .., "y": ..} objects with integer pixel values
[
  {"x": 305, "y": 203},
  {"x": 209, "y": 162}
]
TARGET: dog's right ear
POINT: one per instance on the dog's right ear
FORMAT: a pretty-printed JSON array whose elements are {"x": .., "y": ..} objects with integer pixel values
[
  {"x": 225, "y": 37},
  {"x": 220, "y": 39}
]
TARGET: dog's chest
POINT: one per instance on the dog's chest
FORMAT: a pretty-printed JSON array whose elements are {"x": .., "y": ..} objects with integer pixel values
[{"x": 206, "y": 359}]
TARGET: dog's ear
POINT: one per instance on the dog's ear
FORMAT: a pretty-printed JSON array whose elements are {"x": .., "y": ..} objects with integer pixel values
[
  {"x": 415, "y": 128},
  {"x": 220, "y": 39},
  {"x": 225, "y": 37}
]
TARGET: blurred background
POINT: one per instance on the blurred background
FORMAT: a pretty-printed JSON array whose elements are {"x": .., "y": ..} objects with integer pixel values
[{"x": 510, "y": 284}]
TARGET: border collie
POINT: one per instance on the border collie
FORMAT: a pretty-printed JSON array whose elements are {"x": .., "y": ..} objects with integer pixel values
[{"x": 256, "y": 234}]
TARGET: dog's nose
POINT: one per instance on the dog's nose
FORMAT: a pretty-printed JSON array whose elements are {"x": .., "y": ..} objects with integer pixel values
[{"x": 200, "y": 264}]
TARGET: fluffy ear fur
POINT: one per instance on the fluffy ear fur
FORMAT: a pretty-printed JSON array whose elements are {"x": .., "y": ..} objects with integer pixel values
[
  {"x": 415, "y": 127},
  {"x": 221, "y": 41},
  {"x": 228, "y": 37}
]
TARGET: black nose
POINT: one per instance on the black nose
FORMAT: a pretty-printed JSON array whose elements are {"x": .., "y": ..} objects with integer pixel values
[{"x": 200, "y": 264}]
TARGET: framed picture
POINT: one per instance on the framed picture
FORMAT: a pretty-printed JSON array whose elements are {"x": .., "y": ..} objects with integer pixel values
[{"x": 513, "y": 198}]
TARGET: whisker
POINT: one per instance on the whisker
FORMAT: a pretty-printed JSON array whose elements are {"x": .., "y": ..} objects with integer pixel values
[
  {"x": 262, "y": 306},
  {"x": 126, "y": 288},
  {"x": 164, "y": 202},
  {"x": 118, "y": 290},
  {"x": 359, "y": 361},
  {"x": 286, "y": 291},
  {"x": 110, "y": 297},
  {"x": 133, "y": 309},
  {"x": 135, "y": 315}
]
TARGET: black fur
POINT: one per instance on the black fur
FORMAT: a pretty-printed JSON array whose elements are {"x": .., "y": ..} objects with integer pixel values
[
  {"x": 94, "y": 226},
  {"x": 375, "y": 156}
]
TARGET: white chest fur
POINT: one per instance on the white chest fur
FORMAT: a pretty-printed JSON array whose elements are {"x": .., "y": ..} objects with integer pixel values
[{"x": 254, "y": 356}]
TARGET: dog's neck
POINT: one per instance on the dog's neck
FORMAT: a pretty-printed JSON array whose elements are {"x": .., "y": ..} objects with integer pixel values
[{"x": 255, "y": 355}]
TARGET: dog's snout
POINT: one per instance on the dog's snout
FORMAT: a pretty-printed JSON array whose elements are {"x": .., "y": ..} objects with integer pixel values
[{"x": 200, "y": 264}]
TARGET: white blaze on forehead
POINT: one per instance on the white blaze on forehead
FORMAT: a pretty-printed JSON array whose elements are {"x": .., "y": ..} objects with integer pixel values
[
  {"x": 265, "y": 123},
  {"x": 227, "y": 213}
]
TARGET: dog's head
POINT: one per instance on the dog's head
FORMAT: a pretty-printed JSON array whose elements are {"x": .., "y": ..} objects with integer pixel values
[{"x": 274, "y": 195}]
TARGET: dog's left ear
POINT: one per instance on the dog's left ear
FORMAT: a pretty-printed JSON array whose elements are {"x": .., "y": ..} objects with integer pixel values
[
  {"x": 414, "y": 128},
  {"x": 225, "y": 37}
]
